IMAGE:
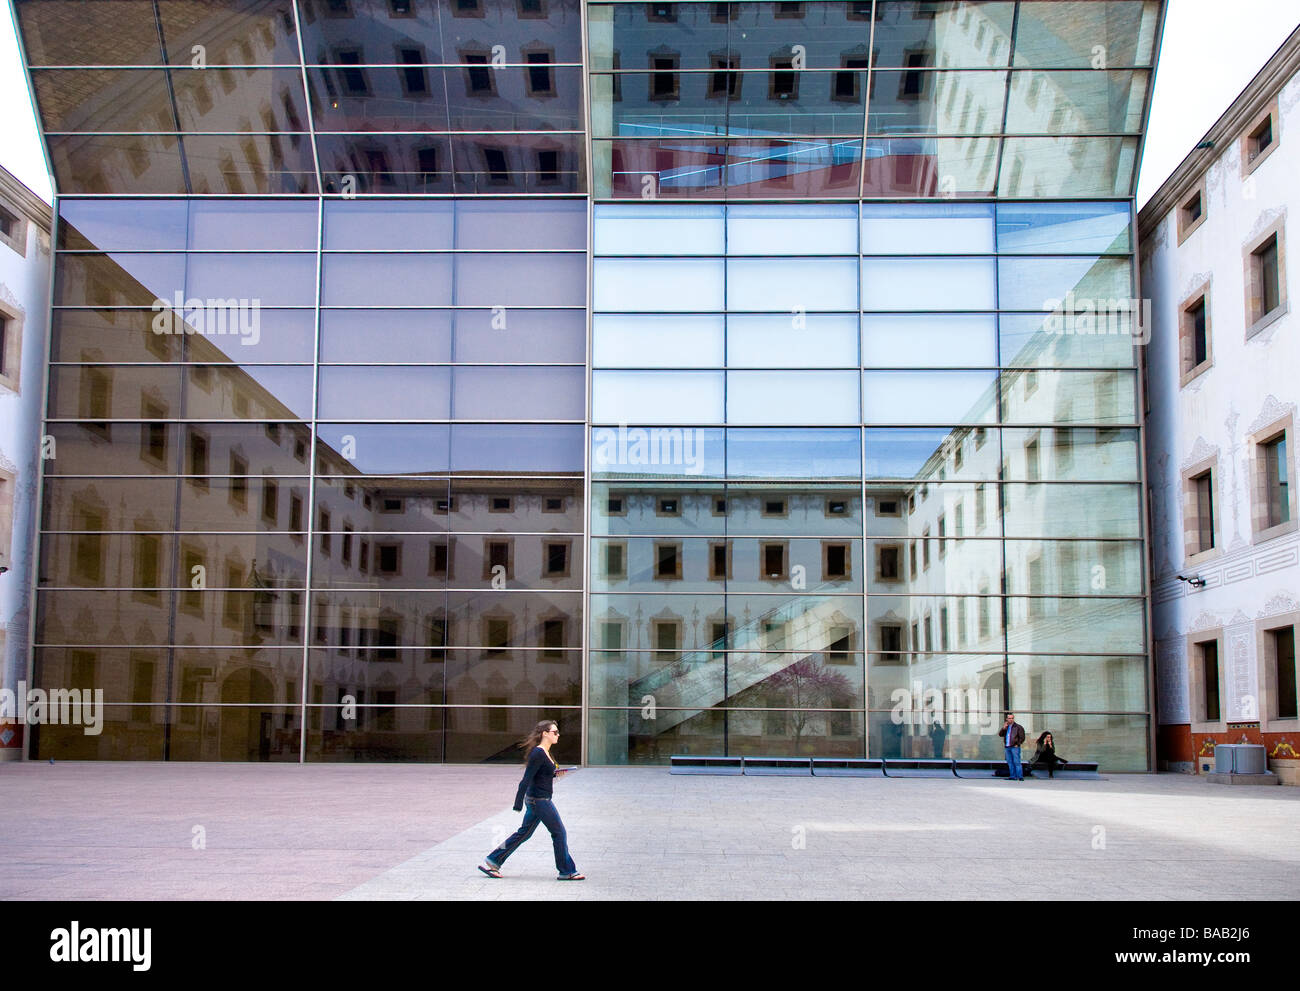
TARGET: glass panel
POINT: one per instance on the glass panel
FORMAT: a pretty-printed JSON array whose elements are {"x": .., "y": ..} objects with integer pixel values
[
  {"x": 904, "y": 167},
  {"x": 386, "y": 163},
  {"x": 1082, "y": 338},
  {"x": 1041, "y": 284},
  {"x": 622, "y": 736},
  {"x": 521, "y": 448},
  {"x": 804, "y": 229},
  {"x": 911, "y": 453},
  {"x": 519, "y": 225},
  {"x": 386, "y": 280},
  {"x": 927, "y": 102},
  {"x": 794, "y": 509},
  {"x": 220, "y": 100},
  {"x": 251, "y": 392},
  {"x": 385, "y": 392},
  {"x": 1061, "y": 510},
  {"x": 625, "y": 285},
  {"x": 653, "y": 229},
  {"x": 389, "y": 225},
  {"x": 120, "y": 278},
  {"x": 963, "y": 33},
  {"x": 797, "y": 341},
  {"x": 199, "y": 675},
  {"x": 539, "y": 164},
  {"x": 927, "y": 229},
  {"x": 907, "y": 283},
  {"x": 1052, "y": 34},
  {"x": 122, "y": 225},
  {"x": 950, "y": 397},
  {"x": 1067, "y": 166},
  {"x": 793, "y": 453},
  {"x": 243, "y": 503},
  {"x": 1069, "y": 397},
  {"x": 117, "y": 163},
  {"x": 68, "y": 32},
  {"x": 670, "y": 452},
  {"x": 1073, "y": 567},
  {"x": 387, "y": 505},
  {"x": 781, "y": 100},
  {"x": 1069, "y": 454},
  {"x": 127, "y": 100},
  {"x": 251, "y": 163},
  {"x": 386, "y": 335},
  {"x": 657, "y": 397},
  {"x": 1047, "y": 625},
  {"x": 505, "y": 393},
  {"x": 245, "y": 32},
  {"x": 930, "y": 341},
  {"x": 247, "y": 225},
  {"x": 792, "y": 284},
  {"x": 380, "y": 99},
  {"x": 537, "y": 280},
  {"x": 272, "y": 279},
  {"x": 1083, "y": 102},
  {"x": 518, "y": 505},
  {"x": 385, "y": 733},
  {"x": 483, "y": 735},
  {"x": 792, "y": 397},
  {"x": 515, "y": 334},
  {"x": 1058, "y": 228},
  {"x": 687, "y": 341},
  {"x": 515, "y": 100},
  {"x": 1072, "y": 684},
  {"x": 374, "y": 449}
]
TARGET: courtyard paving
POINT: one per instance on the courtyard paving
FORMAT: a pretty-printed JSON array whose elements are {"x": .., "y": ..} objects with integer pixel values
[{"x": 404, "y": 832}]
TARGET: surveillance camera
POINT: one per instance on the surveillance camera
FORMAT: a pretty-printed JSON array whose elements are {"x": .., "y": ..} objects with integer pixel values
[{"x": 1196, "y": 581}]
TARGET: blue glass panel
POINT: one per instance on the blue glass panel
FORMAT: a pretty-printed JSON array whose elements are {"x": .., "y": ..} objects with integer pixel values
[
  {"x": 527, "y": 448},
  {"x": 1063, "y": 228},
  {"x": 793, "y": 452},
  {"x": 668, "y": 452},
  {"x": 388, "y": 449}
]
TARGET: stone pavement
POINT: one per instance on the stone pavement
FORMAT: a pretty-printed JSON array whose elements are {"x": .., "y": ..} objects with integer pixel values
[{"x": 405, "y": 832}]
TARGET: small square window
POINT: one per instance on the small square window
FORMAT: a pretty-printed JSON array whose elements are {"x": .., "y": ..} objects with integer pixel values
[
  {"x": 557, "y": 559},
  {"x": 668, "y": 562},
  {"x": 553, "y": 504},
  {"x": 719, "y": 507},
  {"x": 615, "y": 506},
  {"x": 887, "y": 507},
  {"x": 774, "y": 507},
  {"x": 719, "y": 562},
  {"x": 615, "y": 561},
  {"x": 668, "y": 506},
  {"x": 773, "y": 560},
  {"x": 837, "y": 507},
  {"x": 501, "y": 504},
  {"x": 835, "y": 562}
]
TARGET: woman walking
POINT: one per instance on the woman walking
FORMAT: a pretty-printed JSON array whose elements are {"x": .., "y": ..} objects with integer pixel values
[{"x": 534, "y": 796}]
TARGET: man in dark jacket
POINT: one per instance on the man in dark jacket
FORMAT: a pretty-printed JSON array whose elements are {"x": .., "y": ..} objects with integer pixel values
[{"x": 1013, "y": 735}]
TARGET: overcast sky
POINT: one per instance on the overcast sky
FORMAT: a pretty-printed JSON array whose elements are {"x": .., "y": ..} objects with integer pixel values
[{"x": 1211, "y": 50}]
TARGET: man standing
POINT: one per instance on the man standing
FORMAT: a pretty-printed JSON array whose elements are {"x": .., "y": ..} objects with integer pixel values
[{"x": 1013, "y": 735}]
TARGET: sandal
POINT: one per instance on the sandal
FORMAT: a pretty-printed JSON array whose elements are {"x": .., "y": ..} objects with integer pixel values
[
  {"x": 572, "y": 877},
  {"x": 489, "y": 871}
]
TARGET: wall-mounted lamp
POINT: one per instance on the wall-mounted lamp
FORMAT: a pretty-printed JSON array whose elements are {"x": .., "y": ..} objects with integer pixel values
[{"x": 1196, "y": 581}]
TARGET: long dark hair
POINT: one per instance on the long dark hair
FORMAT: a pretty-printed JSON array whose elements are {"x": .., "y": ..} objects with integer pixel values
[
  {"x": 534, "y": 738},
  {"x": 1042, "y": 739}
]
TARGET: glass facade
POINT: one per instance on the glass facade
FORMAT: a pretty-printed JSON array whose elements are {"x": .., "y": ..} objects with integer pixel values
[{"x": 710, "y": 377}]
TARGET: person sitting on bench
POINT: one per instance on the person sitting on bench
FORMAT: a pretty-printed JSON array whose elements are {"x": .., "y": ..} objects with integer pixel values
[{"x": 1046, "y": 754}]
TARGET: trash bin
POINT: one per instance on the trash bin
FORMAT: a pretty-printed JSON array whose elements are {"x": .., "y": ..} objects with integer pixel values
[
  {"x": 1249, "y": 758},
  {"x": 1225, "y": 758}
]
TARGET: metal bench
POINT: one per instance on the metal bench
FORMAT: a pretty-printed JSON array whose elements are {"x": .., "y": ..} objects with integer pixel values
[{"x": 865, "y": 767}]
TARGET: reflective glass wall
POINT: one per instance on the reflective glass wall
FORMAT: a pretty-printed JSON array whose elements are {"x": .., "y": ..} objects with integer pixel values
[
  {"x": 845, "y": 456},
  {"x": 315, "y": 454},
  {"x": 844, "y": 362}
]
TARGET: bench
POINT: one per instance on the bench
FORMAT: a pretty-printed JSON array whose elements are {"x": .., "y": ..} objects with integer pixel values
[{"x": 865, "y": 767}]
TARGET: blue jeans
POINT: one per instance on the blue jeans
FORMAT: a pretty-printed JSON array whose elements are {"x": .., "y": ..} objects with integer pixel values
[
  {"x": 1013, "y": 764},
  {"x": 538, "y": 811}
]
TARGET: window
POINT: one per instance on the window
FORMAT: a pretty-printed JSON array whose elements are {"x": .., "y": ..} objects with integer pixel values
[
  {"x": 270, "y": 500},
  {"x": 772, "y": 558},
  {"x": 553, "y": 639},
  {"x": 783, "y": 80},
  {"x": 555, "y": 559},
  {"x": 1191, "y": 213},
  {"x": 325, "y": 535},
  {"x": 498, "y": 559},
  {"x": 887, "y": 507},
  {"x": 1200, "y": 526},
  {"x": 295, "y": 513},
  {"x": 496, "y": 635},
  {"x": 891, "y": 643},
  {"x": 479, "y": 79},
  {"x": 553, "y": 504},
  {"x": 666, "y": 634},
  {"x": 664, "y": 79},
  {"x": 415, "y": 79},
  {"x": 541, "y": 80},
  {"x": 835, "y": 562},
  {"x": 664, "y": 13},
  {"x": 1265, "y": 283},
  {"x": 841, "y": 645},
  {"x": 615, "y": 506},
  {"x": 439, "y": 558},
  {"x": 437, "y": 635},
  {"x": 197, "y": 458},
  {"x": 501, "y": 504},
  {"x": 1194, "y": 336},
  {"x": 1033, "y": 467},
  {"x": 719, "y": 507},
  {"x": 846, "y": 85},
  {"x": 942, "y": 531},
  {"x": 668, "y": 562},
  {"x": 837, "y": 507},
  {"x": 615, "y": 561},
  {"x": 981, "y": 507},
  {"x": 354, "y": 80},
  {"x": 238, "y": 481},
  {"x": 722, "y": 80},
  {"x": 147, "y": 563},
  {"x": 388, "y": 558},
  {"x": 1277, "y": 488},
  {"x": 1207, "y": 659},
  {"x": 719, "y": 562},
  {"x": 1259, "y": 140},
  {"x": 774, "y": 508},
  {"x": 888, "y": 563},
  {"x": 347, "y": 544},
  {"x": 1281, "y": 655},
  {"x": 668, "y": 506}
]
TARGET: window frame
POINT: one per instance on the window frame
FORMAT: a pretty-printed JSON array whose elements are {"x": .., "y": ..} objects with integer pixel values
[
  {"x": 1261, "y": 529},
  {"x": 1188, "y": 227},
  {"x": 1187, "y": 368},
  {"x": 1251, "y": 159},
  {"x": 1196, "y": 681},
  {"x": 1193, "y": 553},
  {"x": 1266, "y": 660},
  {"x": 1256, "y": 319}
]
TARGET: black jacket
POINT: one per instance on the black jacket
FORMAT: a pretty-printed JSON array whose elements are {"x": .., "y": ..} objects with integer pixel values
[{"x": 539, "y": 777}]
